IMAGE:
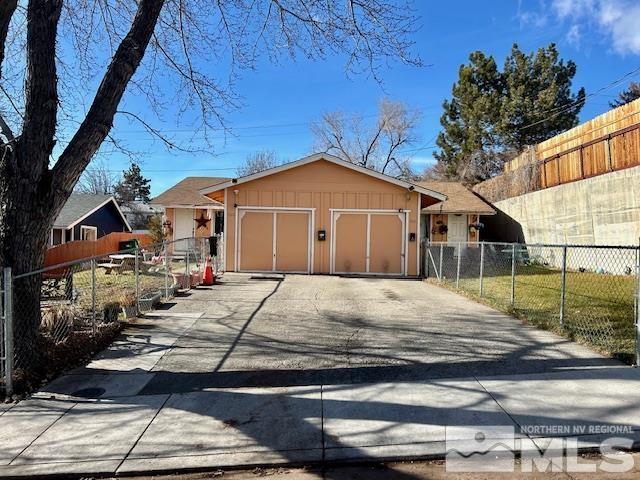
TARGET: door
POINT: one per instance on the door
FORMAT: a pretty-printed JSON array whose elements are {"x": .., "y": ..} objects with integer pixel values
[
  {"x": 256, "y": 241},
  {"x": 457, "y": 230},
  {"x": 369, "y": 242},
  {"x": 274, "y": 241}
]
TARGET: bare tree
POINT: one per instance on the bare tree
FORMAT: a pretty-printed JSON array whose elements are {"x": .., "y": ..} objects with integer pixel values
[
  {"x": 55, "y": 55},
  {"x": 477, "y": 167},
  {"x": 376, "y": 145},
  {"x": 97, "y": 180},
  {"x": 257, "y": 162}
]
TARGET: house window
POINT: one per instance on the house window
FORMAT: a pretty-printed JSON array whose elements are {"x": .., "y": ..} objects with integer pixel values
[
  {"x": 88, "y": 233},
  {"x": 57, "y": 236}
]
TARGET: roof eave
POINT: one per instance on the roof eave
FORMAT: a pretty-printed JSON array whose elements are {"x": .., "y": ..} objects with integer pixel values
[{"x": 330, "y": 158}]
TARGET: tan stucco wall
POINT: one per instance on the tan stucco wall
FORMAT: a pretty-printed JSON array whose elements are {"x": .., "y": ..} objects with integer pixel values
[{"x": 321, "y": 185}]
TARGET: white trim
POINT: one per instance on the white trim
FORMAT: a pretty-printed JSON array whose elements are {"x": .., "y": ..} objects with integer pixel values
[
  {"x": 73, "y": 233},
  {"x": 367, "y": 254},
  {"x": 364, "y": 210},
  {"x": 418, "y": 235},
  {"x": 241, "y": 210},
  {"x": 329, "y": 158},
  {"x": 404, "y": 219},
  {"x": 274, "y": 241},
  {"x": 305, "y": 209},
  {"x": 312, "y": 240},
  {"x": 224, "y": 229},
  {"x": 88, "y": 227},
  {"x": 447, "y": 212},
  {"x": 205, "y": 205},
  {"x": 110, "y": 199}
]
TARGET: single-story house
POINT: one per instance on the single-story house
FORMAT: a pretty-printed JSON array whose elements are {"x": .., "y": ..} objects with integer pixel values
[
  {"x": 87, "y": 217},
  {"x": 458, "y": 218},
  {"x": 321, "y": 214},
  {"x": 188, "y": 213}
]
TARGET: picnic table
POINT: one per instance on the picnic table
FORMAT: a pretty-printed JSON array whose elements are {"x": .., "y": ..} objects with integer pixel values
[{"x": 117, "y": 262}]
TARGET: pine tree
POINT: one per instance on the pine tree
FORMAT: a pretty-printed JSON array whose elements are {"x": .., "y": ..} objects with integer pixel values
[
  {"x": 133, "y": 186},
  {"x": 493, "y": 112},
  {"x": 629, "y": 95},
  {"x": 537, "y": 102},
  {"x": 469, "y": 117}
]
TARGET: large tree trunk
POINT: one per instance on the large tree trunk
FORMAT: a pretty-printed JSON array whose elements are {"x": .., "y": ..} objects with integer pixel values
[
  {"x": 25, "y": 219},
  {"x": 32, "y": 194}
]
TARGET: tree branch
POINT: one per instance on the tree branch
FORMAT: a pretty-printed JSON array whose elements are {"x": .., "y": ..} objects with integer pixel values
[
  {"x": 41, "y": 92},
  {"x": 7, "y": 7},
  {"x": 99, "y": 119}
]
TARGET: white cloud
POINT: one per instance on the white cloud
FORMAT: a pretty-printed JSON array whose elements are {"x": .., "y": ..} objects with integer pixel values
[
  {"x": 535, "y": 18},
  {"x": 618, "y": 20},
  {"x": 574, "y": 36}
]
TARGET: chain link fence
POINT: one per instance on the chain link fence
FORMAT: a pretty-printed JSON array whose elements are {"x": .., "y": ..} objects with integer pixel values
[
  {"x": 63, "y": 314},
  {"x": 588, "y": 293}
]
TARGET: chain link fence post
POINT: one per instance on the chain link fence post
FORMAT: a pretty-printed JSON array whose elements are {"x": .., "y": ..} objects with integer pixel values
[
  {"x": 440, "y": 262},
  {"x": 8, "y": 331},
  {"x": 458, "y": 265},
  {"x": 481, "y": 266},
  {"x": 563, "y": 284},
  {"x": 136, "y": 266},
  {"x": 186, "y": 269},
  {"x": 93, "y": 296},
  {"x": 513, "y": 275},
  {"x": 166, "y": 273}
]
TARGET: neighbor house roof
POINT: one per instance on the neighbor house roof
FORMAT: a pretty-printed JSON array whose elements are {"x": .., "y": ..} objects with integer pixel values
[
  {"x": 80, "y": 205},
  {"x": 329, "y": 158},
  {"x": 187, "y": 193},
  {"x": 459, "y": 199}
]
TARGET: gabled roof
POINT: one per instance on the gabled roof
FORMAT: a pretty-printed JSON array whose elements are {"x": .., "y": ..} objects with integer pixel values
[
  {"x": 80, "y": 205},
  {"x": 186, "y": 193},
  {"x": 459, "y": 199},
  {"x": 329, "y": 158}
]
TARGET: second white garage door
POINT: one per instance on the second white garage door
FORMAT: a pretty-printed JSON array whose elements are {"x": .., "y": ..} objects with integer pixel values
[
  {"x": 274, "y": 241},
  {"x": 368, "y": 242}
]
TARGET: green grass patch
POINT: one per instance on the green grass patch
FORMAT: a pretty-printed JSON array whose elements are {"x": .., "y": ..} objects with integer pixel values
[{"x": 599, "y": 308}]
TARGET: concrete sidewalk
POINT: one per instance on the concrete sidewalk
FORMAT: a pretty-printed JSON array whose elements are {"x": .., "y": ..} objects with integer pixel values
[
  {"x": 170, "y": 394},
  {"x": 302, "y": 425}
]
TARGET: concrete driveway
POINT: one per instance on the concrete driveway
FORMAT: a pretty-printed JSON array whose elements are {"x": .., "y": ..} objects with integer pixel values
[
  {"x": 348, "y": 330},
  {"x": 312, "y": 370}
]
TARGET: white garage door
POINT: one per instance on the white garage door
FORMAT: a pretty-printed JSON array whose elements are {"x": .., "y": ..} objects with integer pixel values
[{"x": 274, "y": 241}]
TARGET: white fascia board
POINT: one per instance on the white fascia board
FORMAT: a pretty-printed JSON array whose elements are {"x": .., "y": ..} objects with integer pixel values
[{"x": 329, "y": 158}]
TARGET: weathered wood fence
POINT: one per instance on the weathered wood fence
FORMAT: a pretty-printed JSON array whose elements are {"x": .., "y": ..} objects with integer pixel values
[{"x": 78, "y": 249}]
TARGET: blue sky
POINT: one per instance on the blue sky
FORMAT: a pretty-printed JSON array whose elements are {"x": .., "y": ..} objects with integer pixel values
[{"x": 279, "y": 101}]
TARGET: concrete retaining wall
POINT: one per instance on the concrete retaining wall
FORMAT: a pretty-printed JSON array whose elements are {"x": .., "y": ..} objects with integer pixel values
[{"x": 603, "y": 210}]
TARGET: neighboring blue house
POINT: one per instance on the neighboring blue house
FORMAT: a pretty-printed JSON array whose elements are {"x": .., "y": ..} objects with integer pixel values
[{"x": 88, "y": 217}]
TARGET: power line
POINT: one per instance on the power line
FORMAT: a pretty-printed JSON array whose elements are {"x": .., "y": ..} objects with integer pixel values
[{"x": 577, "y": 102}]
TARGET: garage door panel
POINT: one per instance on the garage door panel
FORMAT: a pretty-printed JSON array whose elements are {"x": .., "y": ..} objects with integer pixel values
[
  {"x": 386, "y": 239},
  {"x": 292, "y": 242},
  {"x": 351, "y": 243},
  {"x": 256, "y": 241}
]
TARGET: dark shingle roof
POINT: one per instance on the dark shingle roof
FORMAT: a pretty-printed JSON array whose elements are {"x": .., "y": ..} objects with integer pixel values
[
  {"x": 459, "y": 199},
  {"x": 77, "y": 206},
  {"x": 187, "y": 192}
]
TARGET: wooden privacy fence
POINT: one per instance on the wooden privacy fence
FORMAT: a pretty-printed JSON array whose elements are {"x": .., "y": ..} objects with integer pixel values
[
  {"x": 78, "y": 249},
  {"x": 607, "y": 143},
  {"x": 611, "y": 152}
]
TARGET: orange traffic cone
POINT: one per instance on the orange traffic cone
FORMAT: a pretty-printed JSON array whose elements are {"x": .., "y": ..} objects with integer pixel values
[{"x": 208, "y": 273}]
